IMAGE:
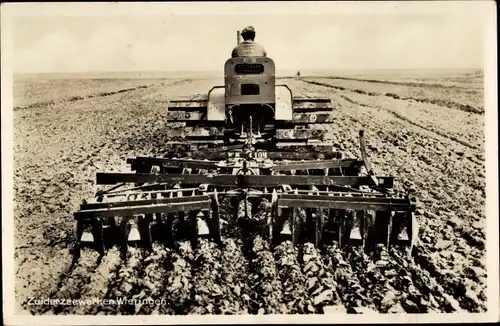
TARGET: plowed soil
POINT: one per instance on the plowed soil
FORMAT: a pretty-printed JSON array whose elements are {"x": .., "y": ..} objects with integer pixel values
[{"x": 67, "y": 132}]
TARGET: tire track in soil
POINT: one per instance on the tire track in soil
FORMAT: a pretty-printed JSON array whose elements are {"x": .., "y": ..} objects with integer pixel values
[
  {"x": 45, "y": 104},
  {"x": 415, "y": 84},
  {"x": 425, "y": 266},
  {"x": 71, "y": 286},
  {"x": 416, "y": 124}
]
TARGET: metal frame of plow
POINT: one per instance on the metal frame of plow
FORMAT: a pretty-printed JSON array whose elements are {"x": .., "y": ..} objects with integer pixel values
[
  {"x": 243, "y": 181},
  {"x": 116, "y": 216},
  {"x": 381, "y": 218}
]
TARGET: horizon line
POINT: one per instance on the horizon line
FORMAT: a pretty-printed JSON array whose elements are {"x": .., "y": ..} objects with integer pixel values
[{"x": 218, "y": 71}]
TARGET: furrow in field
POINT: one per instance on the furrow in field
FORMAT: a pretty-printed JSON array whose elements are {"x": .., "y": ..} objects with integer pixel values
[
  {"x": 207, "y": 291},
  {"x": 456, "y": 98},
  {"x": 126, "y": 282},
  {"x": 351, "y": 293},
  {"x": 320, "y": 282},
  {"x": 446, "y": 177},
  {"x": 153, "y": 281},
  {"x": 179, "y": 283},
  {"x": 234, "y": 279},
  {"x": 72, "y": 287},
  {"x": 295, "y": 294},
  {"x": 267, "y": 290},
  {"x": 97, "y": 286}
]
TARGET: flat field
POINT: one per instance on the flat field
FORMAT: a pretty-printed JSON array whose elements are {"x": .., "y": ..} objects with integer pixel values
[{"x": 426, "y": 131}]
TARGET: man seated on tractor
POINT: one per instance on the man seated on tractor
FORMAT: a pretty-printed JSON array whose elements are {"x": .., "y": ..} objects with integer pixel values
[{"x": 248, "y": 48}]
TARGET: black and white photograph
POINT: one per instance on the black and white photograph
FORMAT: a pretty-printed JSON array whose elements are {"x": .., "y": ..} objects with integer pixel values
[{"x": 208, "y": 162}]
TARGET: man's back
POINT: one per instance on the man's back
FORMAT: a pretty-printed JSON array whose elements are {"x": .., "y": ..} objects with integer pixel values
[{"x": 248, "y": 48}]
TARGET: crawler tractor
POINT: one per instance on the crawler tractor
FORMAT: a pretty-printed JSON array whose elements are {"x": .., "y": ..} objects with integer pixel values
[{"x": 249, "y": 156}]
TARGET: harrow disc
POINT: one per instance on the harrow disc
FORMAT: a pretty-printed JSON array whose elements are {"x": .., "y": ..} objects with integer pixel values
[{"x": 316, "y": 196}]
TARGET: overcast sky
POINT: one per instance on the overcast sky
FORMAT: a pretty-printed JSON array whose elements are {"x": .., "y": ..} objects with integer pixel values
[{"x": 203, "y": 42}]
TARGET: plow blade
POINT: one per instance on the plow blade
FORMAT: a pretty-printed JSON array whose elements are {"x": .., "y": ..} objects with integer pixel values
[
  {"x": 146, "y": 220},
  {"x": 347, "y": 218}
]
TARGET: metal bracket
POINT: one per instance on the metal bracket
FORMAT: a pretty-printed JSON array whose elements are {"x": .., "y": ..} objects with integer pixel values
[{"x": 364, "y": 156}]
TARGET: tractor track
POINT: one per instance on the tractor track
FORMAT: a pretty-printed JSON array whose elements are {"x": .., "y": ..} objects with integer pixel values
[{"x": 282, "y": 280}]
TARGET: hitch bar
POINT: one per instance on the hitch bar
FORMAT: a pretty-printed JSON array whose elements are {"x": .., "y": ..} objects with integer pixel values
[
  {"x": 208, "y": 165},
  {"x": 149, "y": 206},
  {"x": 243, "y": 181},
  {"x": 375, "y": 203}
]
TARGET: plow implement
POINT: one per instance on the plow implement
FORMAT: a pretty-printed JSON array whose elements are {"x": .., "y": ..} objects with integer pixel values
[
  {"x": 248, "y": 159},
  {"x": 313, "y": 196}
]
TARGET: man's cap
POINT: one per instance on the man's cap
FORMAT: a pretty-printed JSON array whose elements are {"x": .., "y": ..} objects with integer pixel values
[{"x": 248, "y": 29}]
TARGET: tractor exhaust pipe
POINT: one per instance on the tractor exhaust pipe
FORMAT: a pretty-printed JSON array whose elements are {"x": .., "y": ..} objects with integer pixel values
[{"x": 238, "y": 39}]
